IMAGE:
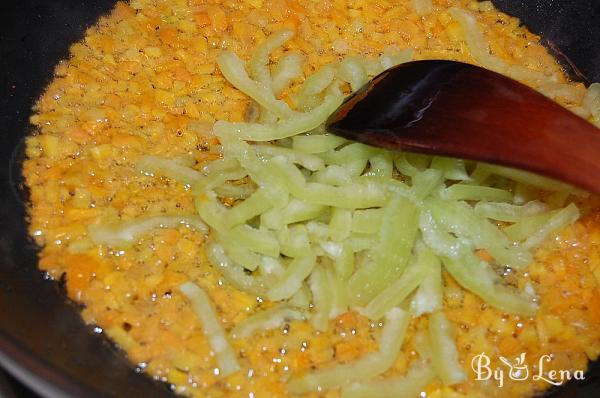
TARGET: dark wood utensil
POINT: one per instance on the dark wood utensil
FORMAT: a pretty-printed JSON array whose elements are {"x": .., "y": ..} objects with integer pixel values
[{"x": 460, "y": 110}]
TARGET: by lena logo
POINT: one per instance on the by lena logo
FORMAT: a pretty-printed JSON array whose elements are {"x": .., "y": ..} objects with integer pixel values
[{"x": 518, "y": 370}]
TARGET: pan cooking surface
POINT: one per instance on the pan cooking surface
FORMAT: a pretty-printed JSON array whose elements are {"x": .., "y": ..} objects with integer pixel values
[{"x": 43, "y": 341}]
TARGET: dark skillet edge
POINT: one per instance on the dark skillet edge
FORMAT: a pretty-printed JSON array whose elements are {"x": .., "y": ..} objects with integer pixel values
[
  {"x": 568, "y": 29},
  {"x": 44, "y": 342},
  {"x": 6, "y": 386},
  {"x": 588, "y": 388},
  {"x": 48, "y": 346},
  {"x": 50, "y": 380},
  {"x": 570, "y": 32},
  {"x": 37, "y": 374}
]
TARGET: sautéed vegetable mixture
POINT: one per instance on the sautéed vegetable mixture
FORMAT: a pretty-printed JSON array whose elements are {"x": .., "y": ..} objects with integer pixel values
[{"x": 184, "y": 188}]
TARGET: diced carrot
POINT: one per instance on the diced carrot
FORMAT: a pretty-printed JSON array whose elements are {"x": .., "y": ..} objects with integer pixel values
[
  {"x": 202, "y": 19},
  {"x": 78, "y": 135},
  {"x": 122, "y": 11},
  {"x": 181, "y": 73},
  {"x": 168, "y": 35},
  {"x": 484, "y": 255},
  {"x": 218, "y": 19},
  {"x": 80, "y": 271},
  {"x": 348, "y": 319}
]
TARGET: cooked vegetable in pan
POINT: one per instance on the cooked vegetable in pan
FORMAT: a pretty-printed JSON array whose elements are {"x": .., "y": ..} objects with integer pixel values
[{"x": 183, "y": 184}]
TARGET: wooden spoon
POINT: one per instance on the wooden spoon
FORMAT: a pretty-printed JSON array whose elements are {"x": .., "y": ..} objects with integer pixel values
[{"x": 460, "y": 110}]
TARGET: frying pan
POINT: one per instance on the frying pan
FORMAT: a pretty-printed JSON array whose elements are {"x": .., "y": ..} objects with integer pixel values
[{"x": 43, "y": 341}]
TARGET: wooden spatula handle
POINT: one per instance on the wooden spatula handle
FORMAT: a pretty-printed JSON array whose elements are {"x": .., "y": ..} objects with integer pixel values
[{"x": 465, "y": 111}]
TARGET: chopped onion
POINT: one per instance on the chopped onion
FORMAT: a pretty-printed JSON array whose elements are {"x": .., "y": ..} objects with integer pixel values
[
  {"x": 444, "y": 353},
  {"x": 476, "y": 41},
  {"x": 286, "y": 70},
  {"x": 428, "y": 297},
  {"x": 322, "y": 299},
  {"x": 411, "y": 384},
  {"x": 212, "y": 329},
  {"x": 233, "y": 69},
  {"x": 337, "y": 224},
  {"x": 476, "y": 275},
  {"x": 352, "y": 70},
  {"x": 393, "y": 56},
  {"x": 126, "y": 233},
  {"x": 591, "y": 101},
  {"x": 298, "y": 124},
  {"x": 410, "y": 279},
  {"x": 173, "y": 169},
  {"x": 422, "y": 7},
  {"x": 298, "y": 270},
  {"x": 265, "y": 320},
  {"x": 560, "y": 220},
  {"x": 396, "y": 240},
  {"x": 234, "y": 273},
  {"x": 258, "y": 65},
  {"x": 508, "y": 212},
  {"x": 365, "y": 368}
]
